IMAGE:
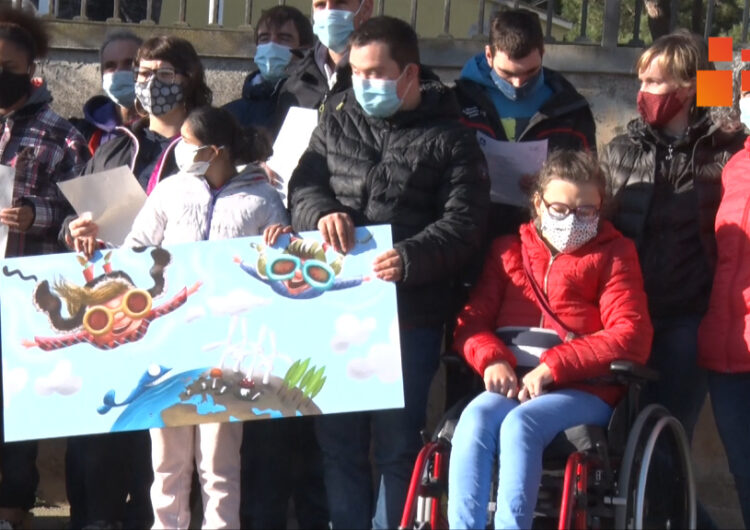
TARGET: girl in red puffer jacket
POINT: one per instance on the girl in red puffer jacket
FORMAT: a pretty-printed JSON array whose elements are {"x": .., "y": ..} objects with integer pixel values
[{"x": 588, "y": 276}]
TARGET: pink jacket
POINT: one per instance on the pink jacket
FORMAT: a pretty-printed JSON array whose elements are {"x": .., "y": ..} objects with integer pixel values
[{"x": 724, "y": 335}]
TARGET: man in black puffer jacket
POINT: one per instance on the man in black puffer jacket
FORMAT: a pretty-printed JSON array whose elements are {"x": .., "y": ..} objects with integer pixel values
[
  {"x": 391, "y": 150},
  {"x": 665, "y": 178}
]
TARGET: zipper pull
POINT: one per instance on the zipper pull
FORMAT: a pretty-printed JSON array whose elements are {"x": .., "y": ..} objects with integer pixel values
[{"x": 670, "y": 150}]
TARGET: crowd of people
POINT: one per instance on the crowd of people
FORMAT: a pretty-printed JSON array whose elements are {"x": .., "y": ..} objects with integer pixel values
[{"x": 635, "y": 254}]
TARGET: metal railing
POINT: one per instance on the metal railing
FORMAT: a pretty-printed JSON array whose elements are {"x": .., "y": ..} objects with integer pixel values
[{"x": 609, "y": 13}]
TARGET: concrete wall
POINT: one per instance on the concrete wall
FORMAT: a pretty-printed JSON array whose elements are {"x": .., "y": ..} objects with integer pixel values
[{"x": 73, "y": 76}]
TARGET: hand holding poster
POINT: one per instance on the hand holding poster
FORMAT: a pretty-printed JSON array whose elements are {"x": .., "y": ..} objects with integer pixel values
[
  {"x": 213, "y": 331},
  {"x": 508, "y": 163},
  {"x": 113, "y": 197}
]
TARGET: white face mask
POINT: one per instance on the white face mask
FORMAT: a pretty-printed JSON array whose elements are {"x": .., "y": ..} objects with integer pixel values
[
  {"x": 570, "y": 233},
  {"x": 184, "y": 155}
]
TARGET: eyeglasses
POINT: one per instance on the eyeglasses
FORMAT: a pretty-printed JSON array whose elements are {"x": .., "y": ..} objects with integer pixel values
[
  {"x": 559, "y": 210},
  {"x": 315, "y": 273},
  {"x": 165, "y": 75},
  {"x": 100, "y": 319}
]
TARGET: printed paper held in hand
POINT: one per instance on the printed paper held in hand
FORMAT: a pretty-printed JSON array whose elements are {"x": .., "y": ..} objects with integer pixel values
[
  {"x": 508, "y": 162},
  {"x": 7, "y": 177},
  {"x": 113, "y": 197},
  {"x": 292, "y": 141}
]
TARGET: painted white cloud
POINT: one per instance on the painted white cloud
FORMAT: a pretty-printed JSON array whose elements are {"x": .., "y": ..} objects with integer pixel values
[
  {"x": 382, "y": 361},
  {"x": 351, "y": 331},
  {"x": 195, "y": 312},
  {"x": 60, "y": 381},
  {"x": 15, "y": 381},
  {"x": 235, "y": 303}
]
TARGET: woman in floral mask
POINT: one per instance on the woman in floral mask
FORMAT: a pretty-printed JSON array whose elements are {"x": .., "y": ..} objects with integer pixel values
[
  {"x": 109, "y": 476},
  {"x": 569, "y": 272},
  {"x": 665, "y": 176}
]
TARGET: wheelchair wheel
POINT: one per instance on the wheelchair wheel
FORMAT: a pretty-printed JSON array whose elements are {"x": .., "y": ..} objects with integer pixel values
[{"x": 656, "y": 485}]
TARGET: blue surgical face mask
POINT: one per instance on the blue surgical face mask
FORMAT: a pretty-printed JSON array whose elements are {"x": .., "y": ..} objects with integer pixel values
[
  {"x": 120, "y": 87},
  {"x": 522, "y": 92},
  {"x": 272, "y": 60},
  {"x": 377, "y": 97},
  {"x": 745, "y": 111},
  {"x": 333, "y": 27}
]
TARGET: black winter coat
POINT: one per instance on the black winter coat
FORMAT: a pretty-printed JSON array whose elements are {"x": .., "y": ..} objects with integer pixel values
[
  {"x": 257, "y": 105},
  {"x": 421, "y": 171},
  {"x": 565, "y": 120},
  {"x": 665, "y": 194},
  {"x": 306, "y": 86}
]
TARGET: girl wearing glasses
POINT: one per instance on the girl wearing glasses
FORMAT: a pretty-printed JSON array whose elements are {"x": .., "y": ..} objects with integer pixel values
[
  {"x": 207, "y": 199},
  {"x": 590, "y": 279}
]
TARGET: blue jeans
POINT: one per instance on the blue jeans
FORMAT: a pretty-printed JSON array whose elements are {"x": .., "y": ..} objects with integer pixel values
[
  {"x": 491, "y": 422},
  {"x": 345, "y": 442},
  {"x": 730, "y": 398},
  {"x": 682, "y": 385}
]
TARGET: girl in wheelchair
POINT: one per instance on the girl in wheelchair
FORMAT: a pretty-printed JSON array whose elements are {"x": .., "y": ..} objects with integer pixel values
[{"x": 568, "y": 271}]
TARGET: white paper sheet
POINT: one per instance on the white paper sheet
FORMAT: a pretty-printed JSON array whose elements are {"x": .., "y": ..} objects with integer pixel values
[
  {"x": 7, "y": 177},
  {"x": 508, "y": 162},
  {"x": 292, "y": 141},
  {"x": 113, "y": 197}
]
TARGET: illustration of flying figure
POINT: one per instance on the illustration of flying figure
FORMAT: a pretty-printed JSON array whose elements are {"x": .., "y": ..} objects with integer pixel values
[
  {"x": 302, "y": 271},
  {"x": 108, "y": 311}
]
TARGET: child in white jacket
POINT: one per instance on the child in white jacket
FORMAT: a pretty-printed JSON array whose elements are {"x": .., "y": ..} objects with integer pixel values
[{"x": 207, "y": 199}]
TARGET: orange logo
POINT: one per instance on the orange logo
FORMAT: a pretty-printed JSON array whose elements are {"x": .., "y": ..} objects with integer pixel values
[{"x": 715, "y": 86}]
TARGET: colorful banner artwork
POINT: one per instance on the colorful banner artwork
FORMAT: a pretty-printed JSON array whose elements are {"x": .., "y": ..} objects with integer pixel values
[{"x": 202, "y": 332}]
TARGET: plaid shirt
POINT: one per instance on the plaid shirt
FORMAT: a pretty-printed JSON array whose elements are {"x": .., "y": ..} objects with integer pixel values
[{"x": 44, "y": 149}]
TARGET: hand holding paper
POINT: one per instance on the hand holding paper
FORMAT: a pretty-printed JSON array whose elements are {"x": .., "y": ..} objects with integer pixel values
[{"x": 112, "y": 199}]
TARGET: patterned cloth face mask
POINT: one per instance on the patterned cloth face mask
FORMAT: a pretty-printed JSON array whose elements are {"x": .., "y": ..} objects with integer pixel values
[
  {"x": 157, "y": 97},
  {"x": 569, "y": 233}
]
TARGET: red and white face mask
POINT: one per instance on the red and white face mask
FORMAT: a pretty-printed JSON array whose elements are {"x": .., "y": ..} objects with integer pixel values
[{"x": 658, "y": 109}]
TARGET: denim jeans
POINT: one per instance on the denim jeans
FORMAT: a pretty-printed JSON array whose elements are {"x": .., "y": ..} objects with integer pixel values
[
  {"x": 345, "y": 442},
  {"x": 493, "y": 425},
  {"x": 682, "y": 385},
  {"x": 730, "y": 398}
]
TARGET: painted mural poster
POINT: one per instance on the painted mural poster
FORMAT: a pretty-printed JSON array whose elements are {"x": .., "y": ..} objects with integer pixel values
[{"x": 203, "y": 332}]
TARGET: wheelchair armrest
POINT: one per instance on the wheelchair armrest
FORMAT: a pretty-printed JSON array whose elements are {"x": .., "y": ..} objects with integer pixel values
[{"x": 629, "y": 371}]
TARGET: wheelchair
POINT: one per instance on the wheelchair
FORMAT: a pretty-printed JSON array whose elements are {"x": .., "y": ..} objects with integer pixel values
[{"x": 635, "y": 473}]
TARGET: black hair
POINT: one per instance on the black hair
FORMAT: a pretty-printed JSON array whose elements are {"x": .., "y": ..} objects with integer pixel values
[
  {"x": 24, "y": 30},
  {"x": 279, "y": 15},
  {"x": 398, "y": 35},
  {"x": 180, "y": 54},
  {"x": 516, "y": 32},
  {"x": 117, "y": 36},
  {"x": 217, "y": 126}
]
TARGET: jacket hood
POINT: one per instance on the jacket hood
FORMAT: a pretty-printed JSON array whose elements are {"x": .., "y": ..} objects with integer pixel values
[
  {"x": 256, "y": 87},
  {"x": 101, "y": 112},
  {"x": 701, "y": 125},
  {"x": 564, "y": 99},
  {"x": 250, "y": 174},
  {"x": 38, "y": 97},
  {"x": 477, "y": 70},
  {"x": 532, "y": 239}
]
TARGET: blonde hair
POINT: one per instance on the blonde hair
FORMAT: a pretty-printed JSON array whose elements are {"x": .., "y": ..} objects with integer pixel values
[
  {"x": 680, "y": 55},
  {"x": 77, "y": 297}
]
